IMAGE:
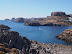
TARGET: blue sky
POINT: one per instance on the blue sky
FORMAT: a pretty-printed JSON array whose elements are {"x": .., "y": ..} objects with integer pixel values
[{"x": 33, "y": 8}]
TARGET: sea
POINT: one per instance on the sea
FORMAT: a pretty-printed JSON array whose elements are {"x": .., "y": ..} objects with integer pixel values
[{"x": 44, "y": 34}]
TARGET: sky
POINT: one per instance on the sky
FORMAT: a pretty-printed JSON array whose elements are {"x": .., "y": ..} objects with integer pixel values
[{"x": 33, "y": 8}]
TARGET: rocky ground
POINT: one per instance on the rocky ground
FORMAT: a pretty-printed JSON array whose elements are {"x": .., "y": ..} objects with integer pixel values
[
  {"x": 42, "y": 48},
  {"x": 12, "y": 43}
]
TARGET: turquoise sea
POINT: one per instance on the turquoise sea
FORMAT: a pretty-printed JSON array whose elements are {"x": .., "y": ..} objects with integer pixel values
[{"x": 44, "y": 34}]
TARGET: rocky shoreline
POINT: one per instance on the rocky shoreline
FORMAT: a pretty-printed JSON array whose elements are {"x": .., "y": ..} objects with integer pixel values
[
  {"x": 41, "y": 23},
  {"x": 66, "y": 35},
  {"x": 56, "y": 19},
  {"x": 12, "y": 43}
]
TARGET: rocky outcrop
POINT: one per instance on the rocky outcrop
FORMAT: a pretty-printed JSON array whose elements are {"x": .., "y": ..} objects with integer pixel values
[
  {"x": 70, "y": 15},
  {"x": 4, "y": 50},
  {"x": 58, "y": 14},
  {"x": 4, "y": 27},
  {"x": 19, "y": 20},
  {"x": 13, "y": 19},
  {"x": 42, "y": 23},
  {"x": 12, "y": 39},
  {"x": 56, "y": 19},
  {"x": 66, "y": 35},
  {"x": 7, "y": 19},
  {"x": 32, "y": 23}
]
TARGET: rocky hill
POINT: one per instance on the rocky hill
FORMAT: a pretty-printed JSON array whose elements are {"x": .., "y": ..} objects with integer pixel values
[{"x": 56, "y": 19}]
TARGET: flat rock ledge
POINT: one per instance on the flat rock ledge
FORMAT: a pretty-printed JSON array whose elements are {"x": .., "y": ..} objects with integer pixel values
[{"x": 66, "y": 35}]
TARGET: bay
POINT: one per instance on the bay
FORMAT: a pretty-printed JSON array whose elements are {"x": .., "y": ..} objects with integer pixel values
[{"x": 45, "y": 34}]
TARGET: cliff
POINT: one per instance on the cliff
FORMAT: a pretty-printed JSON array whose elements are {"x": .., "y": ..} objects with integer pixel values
[
  {"x": 70, "y": 15},
  {"x": 49, "y": 21},
  {"x": 32, "y": 23},
  {"x": 56, "y": 19},
  {"x": 19, "y": 20},
  {"x": 58, "y": 14}
]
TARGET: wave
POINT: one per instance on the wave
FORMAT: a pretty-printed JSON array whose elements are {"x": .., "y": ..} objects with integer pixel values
[{"x": 42, "y": 29}]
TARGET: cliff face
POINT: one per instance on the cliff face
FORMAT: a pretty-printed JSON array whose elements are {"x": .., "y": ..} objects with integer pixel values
[
  {"x": 56, "y": 19},
  {"x": 58, "y": 14},
  {"x": 70, "y": 15},
  {"x": 32, "y": 23},
  {"x": 43, "y": 23},
  {"x": 49, "y": 21},
  {"x": 19, "y": 20}
]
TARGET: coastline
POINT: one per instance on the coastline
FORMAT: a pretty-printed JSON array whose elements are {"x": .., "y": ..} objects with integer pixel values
[{"x": 12, "y": 42}]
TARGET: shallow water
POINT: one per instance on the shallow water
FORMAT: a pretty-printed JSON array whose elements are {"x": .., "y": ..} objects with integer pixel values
[{"x": 44, "y": 34}]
